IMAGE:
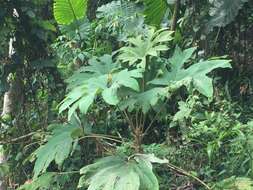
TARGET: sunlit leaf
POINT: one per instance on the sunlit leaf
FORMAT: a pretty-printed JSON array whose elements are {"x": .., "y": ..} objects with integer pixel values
[{"x": 66, "y": 11}]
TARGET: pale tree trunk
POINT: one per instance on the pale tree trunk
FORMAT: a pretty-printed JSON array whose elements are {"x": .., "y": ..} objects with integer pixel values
[
  {"x": 12, "y": 100},
  {"x": 10, "y": 107},
  {"x": 2, "y": 181}
]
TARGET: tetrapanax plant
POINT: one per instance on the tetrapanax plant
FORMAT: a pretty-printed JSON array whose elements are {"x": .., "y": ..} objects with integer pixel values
[
  {"x": 131, "y": 83},
  {"x": 134, "y": 81}
]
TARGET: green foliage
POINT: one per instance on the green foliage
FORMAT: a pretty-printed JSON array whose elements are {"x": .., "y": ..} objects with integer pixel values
[
  {"x": 101, "y": 77},
  {"x": 145, "y": 100},
  {"x": 120, "y": 19},
  {"x": 217, "y": 137},
  {"x": 43, "y": 181},
  {"x": 155, "y": 11},
  {"x": 195, "y": 74},
  {"x": 121, "y": 173},
  {"x": 233, "y": 183},
  {"x": 57, "y": 148},
  {"x": 134, "y": 90},
  {"x": 77, "y": 30},
  {"x": 184, "y": 111},
  {"x": 225, "y": 11},
  {"x": 67, "y": 11},
  {"x": 150, "y": 44},
  {"x": 4, "y": 168}
]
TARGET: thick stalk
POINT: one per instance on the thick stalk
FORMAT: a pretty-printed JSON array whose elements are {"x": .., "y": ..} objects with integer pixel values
[
  {"x": 138, "y": 137},
  {"x": 140, "y": 119}
]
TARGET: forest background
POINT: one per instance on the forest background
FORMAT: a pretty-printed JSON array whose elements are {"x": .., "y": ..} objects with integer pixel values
[{"x": 126, "y": 94}]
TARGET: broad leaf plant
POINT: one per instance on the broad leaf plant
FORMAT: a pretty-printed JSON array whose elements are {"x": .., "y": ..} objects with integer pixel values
[{"x": 134, "y": 82}]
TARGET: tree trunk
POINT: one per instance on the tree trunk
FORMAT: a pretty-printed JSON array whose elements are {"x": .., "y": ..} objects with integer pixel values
[
  {"x": 11, "y": 104},
  {"x": 12, "y": 96},
  {"x": 2, "y": 181},
  {"x": 175, "y": 15},
  {"x": 92, "y": 6}
]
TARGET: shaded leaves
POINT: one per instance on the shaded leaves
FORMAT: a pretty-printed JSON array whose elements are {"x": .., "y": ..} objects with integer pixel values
[
  {"x": 225, "y": 11},
  {"x": 121, "y": 173},
  {"x": 102, "y": 77},
  {"x": 196, "y": 74},
  {"x": 57, "y": 148}
]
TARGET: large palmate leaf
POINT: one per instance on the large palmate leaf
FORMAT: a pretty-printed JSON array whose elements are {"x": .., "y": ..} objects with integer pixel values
[
  {"x": 225, "y": 11},
  {"x": 102, "y": 77},
  {"x": 66, "y": 11},
  {"x": 57, "y": 148},
  {"x": 144, "y": 100},
  {"x": 196, "y": 74},
  {"x": 142, "y": 46},
  {"x": 121, "y": 173},
  {"x": 155, "y": 11}
]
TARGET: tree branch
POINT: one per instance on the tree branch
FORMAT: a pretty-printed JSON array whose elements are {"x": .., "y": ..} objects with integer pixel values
[
  {"x": 18, "y": 138},
  {"x": 183, "y": 172}
]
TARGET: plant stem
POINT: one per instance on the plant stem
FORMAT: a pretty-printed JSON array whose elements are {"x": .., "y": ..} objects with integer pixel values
[
  {"x": 101, "y": 137},
  {"x": 154, "y": 118},
  {"x": 138, "y": 137},
  {"x": 137, "y": 118},
  {"x": 179, "y": 170},
  {"x": 70, "y": 172},
  {"x": 18, "y": 138}
]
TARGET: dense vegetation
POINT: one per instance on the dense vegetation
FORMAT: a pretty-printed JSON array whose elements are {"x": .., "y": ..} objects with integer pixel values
[{"x": 126, "y": 94}]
